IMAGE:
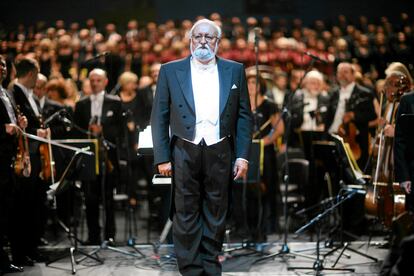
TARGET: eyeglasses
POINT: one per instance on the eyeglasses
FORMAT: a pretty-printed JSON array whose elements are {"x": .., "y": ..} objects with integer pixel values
[{"x": 208, "y": 38}]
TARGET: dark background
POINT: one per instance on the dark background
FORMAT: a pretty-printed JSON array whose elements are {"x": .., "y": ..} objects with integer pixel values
[{"x": 14, "y": 12}]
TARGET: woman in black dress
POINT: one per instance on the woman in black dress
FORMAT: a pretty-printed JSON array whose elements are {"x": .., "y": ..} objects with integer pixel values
[{"x": 268, "y": 128}]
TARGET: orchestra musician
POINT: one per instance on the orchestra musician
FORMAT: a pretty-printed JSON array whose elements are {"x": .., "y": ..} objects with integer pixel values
[
  {"x": 403, "y": 157},
  {"x": 8, "y": 150},
  {"x": 54, "y": 159},
  {"x": 269, "y": 127},
  {"x": 31, "y": 192},
  {"x": 309, "y": 104},
  {"x": 351, "y": 103},
  {"x": 101, "y": 115}
]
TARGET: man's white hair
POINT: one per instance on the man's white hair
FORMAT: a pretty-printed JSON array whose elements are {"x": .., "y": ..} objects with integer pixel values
[
  {"x": 314, "y": 75},
  {"x": 99, "y": 72},
  {"x": 201, "y": 21}
]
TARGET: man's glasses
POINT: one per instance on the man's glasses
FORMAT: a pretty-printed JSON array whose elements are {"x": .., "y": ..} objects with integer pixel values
[{"x": 208, "y": 38}]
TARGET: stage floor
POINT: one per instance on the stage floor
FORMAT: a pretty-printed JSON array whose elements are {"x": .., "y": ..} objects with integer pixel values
[{"x": 239, "y": 262}]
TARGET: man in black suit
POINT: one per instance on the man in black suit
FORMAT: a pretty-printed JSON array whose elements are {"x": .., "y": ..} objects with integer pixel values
[
  {"x": 101, "y": 115},
  {"x": 404, "y": 151},
  {"x": 201, "y": 121},
  {"x": 8, "y": 142},
  {"x": 31, "y": 192},
  {"x": 351, "y": 103}
]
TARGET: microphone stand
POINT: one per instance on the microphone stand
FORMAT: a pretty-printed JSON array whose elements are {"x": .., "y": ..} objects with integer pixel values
[
  {"x": 285, "y": 250},
  {"x": 104, "y": 146},
  {"x": 318, "y": 264}
]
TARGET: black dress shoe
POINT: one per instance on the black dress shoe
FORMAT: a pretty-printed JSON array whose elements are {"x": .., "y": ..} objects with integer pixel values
[
  {"x": 39, "y": 258},
  {"x": 92, "y": 242},
  {"x": 10, "y": 268},
  {"x": 23, "y": 261}
]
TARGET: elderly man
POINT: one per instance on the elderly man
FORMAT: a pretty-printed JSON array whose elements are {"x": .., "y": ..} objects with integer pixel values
[
  {"x": 101, "y": 115},
  {"x": 201, "y": 121}
]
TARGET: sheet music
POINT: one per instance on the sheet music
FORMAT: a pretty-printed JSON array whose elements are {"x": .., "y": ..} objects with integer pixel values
[{"x": 145, "y": 139}]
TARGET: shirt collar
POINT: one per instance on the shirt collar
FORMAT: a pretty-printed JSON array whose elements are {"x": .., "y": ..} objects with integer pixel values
[
  {"x": 204, "y": 67},
  {"x": 26, "y": 91},
  {"x": 98, "y": 96},
  {"x": 347, "y": 90}
]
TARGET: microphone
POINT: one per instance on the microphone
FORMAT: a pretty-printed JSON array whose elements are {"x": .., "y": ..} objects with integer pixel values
[
  {"x": 257, "y": 31},
  {"x": 315, "y": 57},
  {"x": 68, "y": 123},
  {"x": 53, "y": 116},
  {"x": 98, "y": 56}
]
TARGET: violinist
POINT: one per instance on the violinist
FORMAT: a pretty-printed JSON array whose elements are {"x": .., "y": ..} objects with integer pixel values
[
  {"x": 52, "y": 159},
  {"x": 31, "y": 193},
  {"x": 8, "y": 141},
  {"x": 351, "y": 103}
]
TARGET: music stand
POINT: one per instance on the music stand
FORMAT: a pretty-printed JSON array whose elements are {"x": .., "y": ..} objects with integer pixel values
[
  {"x": 56, "y": 188},
  {"x": 103, "y": 146},
  {"x": 348, "y": 169}
]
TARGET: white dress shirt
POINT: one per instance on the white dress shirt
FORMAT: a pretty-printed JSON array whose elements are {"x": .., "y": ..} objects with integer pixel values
[
  {"x": 310, "y": 102},
  {"x": 96, "y": 105},
  {"x": 29, "y": 95},
  {"x": 42, "y": 101},
  {"x": 8, "y": 105},
  {"x": 344, "y": 95},
  {"x": 206, "y": 92}
]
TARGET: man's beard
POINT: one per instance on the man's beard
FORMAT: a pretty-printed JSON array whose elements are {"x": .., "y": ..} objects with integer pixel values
[{"x": 203, "y": 52}]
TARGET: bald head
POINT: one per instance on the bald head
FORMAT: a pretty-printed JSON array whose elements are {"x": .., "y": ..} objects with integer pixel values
[{"x": 39, "y": 89}]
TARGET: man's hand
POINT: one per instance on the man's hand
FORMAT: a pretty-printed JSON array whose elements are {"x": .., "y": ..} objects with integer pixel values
[
  {"x": 389, "y": 131},
  {"x": 349, "y": 116},
  {"x": 240, "y": 169},
  {"x": 22, "y": 121},
  {"x": 11, "y": 129},
  {"x": 95, "y": 129},
  {"x": 165, "y": 169},
  {"x": 406, "y": 185},
  {"x": 43, "y": 133}
]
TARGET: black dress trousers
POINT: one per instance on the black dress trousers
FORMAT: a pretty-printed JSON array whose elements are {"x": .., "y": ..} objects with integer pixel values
[{"x": 202, "y": 175}]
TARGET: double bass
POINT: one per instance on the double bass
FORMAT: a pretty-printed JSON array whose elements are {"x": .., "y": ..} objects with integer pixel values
[{"x": 384, "y": 198}]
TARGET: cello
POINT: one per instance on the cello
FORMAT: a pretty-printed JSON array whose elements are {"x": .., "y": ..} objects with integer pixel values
[{"x": 384, "y": 199}]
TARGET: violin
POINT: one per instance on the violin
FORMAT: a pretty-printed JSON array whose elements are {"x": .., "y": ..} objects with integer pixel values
[
  {"x": 48, "y": 171},
  {"x": 348, "y": 131},
  {"x": 22, "y": 165}
]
